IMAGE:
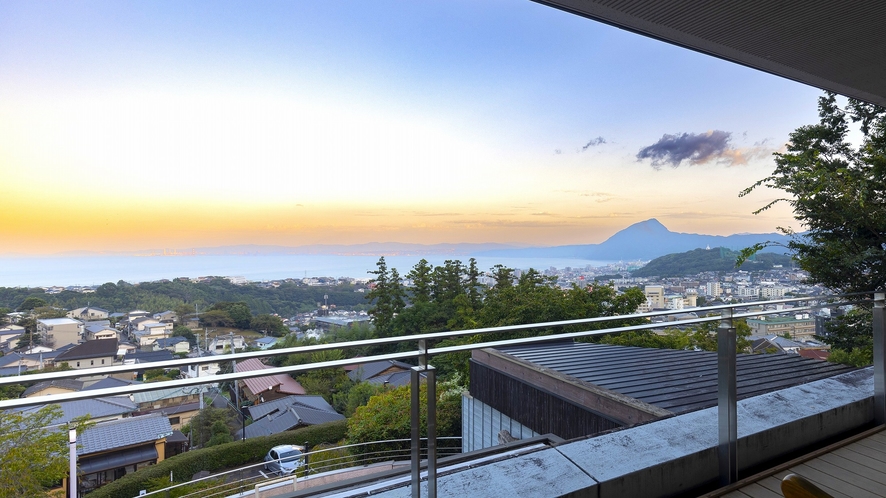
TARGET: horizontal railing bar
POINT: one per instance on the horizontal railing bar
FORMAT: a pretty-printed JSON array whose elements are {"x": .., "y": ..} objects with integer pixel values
[
  {"x": 270, "y": 353},
  {"x": 212, "y": 379}
]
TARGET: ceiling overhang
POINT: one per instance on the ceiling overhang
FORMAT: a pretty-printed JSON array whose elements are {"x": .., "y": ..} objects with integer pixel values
[{"x": 835, "y": 45}]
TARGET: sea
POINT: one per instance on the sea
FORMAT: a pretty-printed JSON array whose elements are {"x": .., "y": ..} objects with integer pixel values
[{"x": 67, "y": 271}]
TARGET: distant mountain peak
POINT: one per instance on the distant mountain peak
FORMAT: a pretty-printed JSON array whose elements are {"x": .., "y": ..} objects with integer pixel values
[{"x": 650, "y": 225}]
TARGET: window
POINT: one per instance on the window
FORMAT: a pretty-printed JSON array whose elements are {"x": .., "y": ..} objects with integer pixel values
[
  {"x": 103, "y": 361},
  {"x": 78, "y": 363},
  {"x": 91, "y": 362},
  {"x": 174, "y": 420}
]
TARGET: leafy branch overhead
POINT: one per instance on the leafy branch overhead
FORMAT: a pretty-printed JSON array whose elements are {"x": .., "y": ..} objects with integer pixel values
[{"x": 837, "y": 191}]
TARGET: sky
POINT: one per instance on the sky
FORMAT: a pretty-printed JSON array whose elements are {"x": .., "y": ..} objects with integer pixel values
[{"x": 135, "y": 125}]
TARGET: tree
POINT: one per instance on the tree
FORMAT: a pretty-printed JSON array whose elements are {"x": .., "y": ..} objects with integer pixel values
[
  {"x": 271, "y": 324},
  {"x": 387, "y": 297},
  {"x": 33, "y": 454},
  {"x": 4, "y": 315},
  {"x": 421, "y": 281},
  {"x": 212, "y": 426},
  {"x": 32, "y": 302},
  {"x": 836, "y": 190},
  {"x": 182, "y": 331},
  {"x": 837, "y": 194},
  {"x": 387, "y": 416}
]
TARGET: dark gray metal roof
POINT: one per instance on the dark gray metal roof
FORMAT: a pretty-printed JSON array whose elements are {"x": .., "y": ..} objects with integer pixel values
[
  {"x": 272, "y": 417},
  {"x": 677, "y": 381},
  {"x": 121, "y": 433},
  {"x": 833, "y": 45}
]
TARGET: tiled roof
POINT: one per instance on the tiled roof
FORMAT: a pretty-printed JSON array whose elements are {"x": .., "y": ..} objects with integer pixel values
[
  {"x": 106, "y": 436},
  {"x": 370, "y": 370},
  {"x": 286, "y": 413},
  {"x": 173, "y": 392},
  {"x": 148, "y": 356},
  {"x": 90, "y": 349},
  {"x": 108, "y": 382},
  {"x": 69, "y": 384},
  {"x": 283, "y": 383},
  {"x": 95, "y": 408}
]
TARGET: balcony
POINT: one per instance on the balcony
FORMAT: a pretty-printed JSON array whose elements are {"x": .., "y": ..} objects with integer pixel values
[{"x": 676, "y": 454}]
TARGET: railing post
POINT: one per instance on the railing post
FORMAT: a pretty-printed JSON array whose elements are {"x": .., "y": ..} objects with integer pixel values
[
  {"x": 415, "y": 406},
  {"x": 432, "y": 431},
  {"x": 879, "y": 319},
  {"x": 727, "y": 418}
]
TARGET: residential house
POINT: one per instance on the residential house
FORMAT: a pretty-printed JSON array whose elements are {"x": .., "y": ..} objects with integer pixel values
[
  {"x": 391, "y": 373},
  {"x": 268, "y": 388},
  {"x": 89, "y": 313},
  {"x": 56, "y": 386},
  {"x": 110, "y": 450},
  {"x": 178, "y": 405},
  {"x": 167, "y": 316},
  {"x": 264, "y": 343},
  {"x": 149, "y": 333},
  {"x": 9, "y": 336},
  {"x": 99, "y": 330},
  {"x": 14, "y": 363},
  {"x": 57, "y": 332},
  {"x": 90, "y": 354},
  {"x": 96, "y": 410},
  {"x": 224, "y": 343},
  {"x": 175, "y": 344},
  {"x": 290, "y": 412}
]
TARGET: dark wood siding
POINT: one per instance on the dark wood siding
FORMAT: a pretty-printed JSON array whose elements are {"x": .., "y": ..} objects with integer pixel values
[{"x": 539, "y": 410}]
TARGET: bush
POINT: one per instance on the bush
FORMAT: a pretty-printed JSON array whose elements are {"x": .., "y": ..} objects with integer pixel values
[{"x": 216, "y": 458}]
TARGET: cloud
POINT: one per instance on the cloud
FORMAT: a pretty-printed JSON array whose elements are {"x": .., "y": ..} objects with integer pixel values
[
  {"x": 693, "y": 148},
  {"x": 593, "y": 143}
]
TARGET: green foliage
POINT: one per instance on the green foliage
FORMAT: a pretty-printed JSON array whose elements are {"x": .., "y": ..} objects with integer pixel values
[
  {"x": 851, "y": 331},
  {"x": 359, "y": 395},
  {"x": 387, "y": 416},
  {"x": 213, "y": 426},
  {"x": 836, "y": 192},
  {"x": 289, "y": 298},
  {"x": 32, "y": 302},
  {"x": 857, "y": 357},
  {"x": 216, "y": 458},
  {"x": 182, "y": 331},
  {"x": 702, "y": 260},
  {"x": 33, "y": 455},
  {"x": 271, "y": 324},
  {"x": 702, "y": 337},
  {"x": 387, "y": 297}
]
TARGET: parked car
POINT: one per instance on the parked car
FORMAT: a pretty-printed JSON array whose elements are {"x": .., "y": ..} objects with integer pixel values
[{"x": 284, "y": 459}]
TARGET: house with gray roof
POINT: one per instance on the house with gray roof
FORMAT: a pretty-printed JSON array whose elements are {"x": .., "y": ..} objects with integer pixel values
[
  {"x": 291, "y": 412},
  {"x": 388, "y": 372},
  {"x": 97, "y": 410},
  {"x": 90, "y": 354},
  {"x": 109, "y": 450},
  {"x": 89, "y": 313}
]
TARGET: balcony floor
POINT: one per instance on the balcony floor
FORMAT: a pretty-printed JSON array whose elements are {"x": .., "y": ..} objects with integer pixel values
[{"x": 854, "y": 468}]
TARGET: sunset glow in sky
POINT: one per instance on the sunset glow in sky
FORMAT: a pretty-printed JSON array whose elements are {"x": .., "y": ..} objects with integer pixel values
[{"x": 139, "y": 125}]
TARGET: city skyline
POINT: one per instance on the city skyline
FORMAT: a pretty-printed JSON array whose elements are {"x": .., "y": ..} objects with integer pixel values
[{"x": 126, "y": 126}]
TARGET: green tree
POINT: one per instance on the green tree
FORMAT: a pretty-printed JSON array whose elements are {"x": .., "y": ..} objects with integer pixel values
[
  {"x": 4, "y": 315},
  {"x": 387, "y": 297},
  {"x": 836, "y": 192},
  {"x": 32, "y": 302},
  {"x": 835, "y": 189},
  {"x": 387, "y": 416},
  {"x": 33, "y": 453},
  {"x": 182, "y": 331},
  {"x": 210, "y": 425},
  {"x": 271, "y": 324},
  {"x": 420, "y": 274},
  {"x": 216, "y": 318}
]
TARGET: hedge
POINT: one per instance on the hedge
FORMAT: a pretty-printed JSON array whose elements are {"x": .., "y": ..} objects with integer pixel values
[{"x": 216, "y": 458}]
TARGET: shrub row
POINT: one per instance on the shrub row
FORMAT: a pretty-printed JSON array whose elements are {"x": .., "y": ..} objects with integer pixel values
[{"x": 216, "y": 458}]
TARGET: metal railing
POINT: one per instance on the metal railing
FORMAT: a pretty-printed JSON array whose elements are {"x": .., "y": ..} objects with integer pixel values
[{"x": 727, "y": 401}]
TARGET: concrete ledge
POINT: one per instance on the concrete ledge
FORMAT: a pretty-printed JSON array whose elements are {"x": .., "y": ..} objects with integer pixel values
[
  {"x": 677, "y": 455},
  {"x": 668, "y": 457}
]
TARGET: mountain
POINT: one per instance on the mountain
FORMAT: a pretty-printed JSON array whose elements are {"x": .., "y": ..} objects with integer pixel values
[
  {"x": 645, "y": 240},
  {"x": 702, "y": 260}
]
